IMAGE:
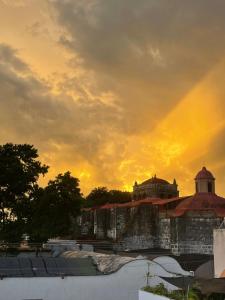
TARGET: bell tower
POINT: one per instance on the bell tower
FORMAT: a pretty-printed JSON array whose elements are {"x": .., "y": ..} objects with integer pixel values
[{"x": 205, "y": 182}]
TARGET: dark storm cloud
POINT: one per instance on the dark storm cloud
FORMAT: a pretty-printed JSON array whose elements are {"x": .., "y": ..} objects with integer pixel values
[
  {"x": 29, "y": 113},
  {"x": 129, "y": 63},
  {"x": 149, "y": 53},
  {"x": 8, "y": 57}
]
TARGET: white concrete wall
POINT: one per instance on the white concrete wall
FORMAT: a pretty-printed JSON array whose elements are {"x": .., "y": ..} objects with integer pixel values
[
  {"x": 171, "y": 265},
  {"x": 122, "y": 285},
  {"x": 219, "y": 252},
  {"x": 149, "y": 296}
]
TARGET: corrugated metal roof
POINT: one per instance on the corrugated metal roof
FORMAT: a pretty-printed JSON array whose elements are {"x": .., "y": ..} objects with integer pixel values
[{"x": 47, "y": 267}]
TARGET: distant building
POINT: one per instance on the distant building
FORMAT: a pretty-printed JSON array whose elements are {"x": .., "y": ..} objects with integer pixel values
[
  {"x": 158, "y": 218},
  {"x": 195, "y": 218},
  {"x": 155, "y": 188}
]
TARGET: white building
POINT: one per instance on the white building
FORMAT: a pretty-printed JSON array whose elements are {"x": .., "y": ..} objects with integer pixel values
[
  {"x": 79, "y": 278},
  {"x": 219, "y": 252},
  {"x": 149, "y": 296}
]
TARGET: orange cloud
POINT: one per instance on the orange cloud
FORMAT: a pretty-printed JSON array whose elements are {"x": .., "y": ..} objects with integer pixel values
[{"x": 115, "y": 91}]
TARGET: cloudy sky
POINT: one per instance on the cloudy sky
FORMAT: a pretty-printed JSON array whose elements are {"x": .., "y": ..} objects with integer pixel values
[{"x": 116, "y": 91}]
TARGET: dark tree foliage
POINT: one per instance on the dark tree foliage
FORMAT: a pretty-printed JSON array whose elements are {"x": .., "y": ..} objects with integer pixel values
[
  {"x": 19, "y": 172},
  {"x": 161, "y": 290},
  {"x": 97, "y": 197},
  {"x": 101, "y": 195},
  {"x": 55, "y": 208},
  {"x": 119, "y": 196}
]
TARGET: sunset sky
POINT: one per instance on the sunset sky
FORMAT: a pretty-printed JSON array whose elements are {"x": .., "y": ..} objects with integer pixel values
[{"x": 116, "y": 90}]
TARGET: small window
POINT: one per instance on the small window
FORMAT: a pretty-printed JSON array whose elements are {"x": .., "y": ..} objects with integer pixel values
[
  {"x": 210, "y": 187},
  {"x": 196, "y": 187}
]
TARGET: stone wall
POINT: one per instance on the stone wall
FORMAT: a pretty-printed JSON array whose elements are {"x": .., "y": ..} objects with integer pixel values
[
  {"x": 143, "y": 227},
  {"x": 164, "y": 234},
  {"x": 193, "y": 233},
  {"x": 133, "y": 228},
  {"x": 86, "y": 223},
  {"x": 102, "y": 223}
]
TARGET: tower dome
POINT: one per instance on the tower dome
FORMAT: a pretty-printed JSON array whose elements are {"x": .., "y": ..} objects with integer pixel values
[
  {"x": 205, "y": 181},
  {"x": 204, "y": 174}
]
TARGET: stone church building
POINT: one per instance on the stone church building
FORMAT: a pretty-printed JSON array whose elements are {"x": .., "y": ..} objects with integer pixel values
[
  {"x": 155, "y": 188},
  {"x": 158, "y": 218}
]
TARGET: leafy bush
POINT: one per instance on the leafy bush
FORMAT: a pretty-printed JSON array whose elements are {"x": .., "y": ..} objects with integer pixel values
[{"x": 177, "y": 295}]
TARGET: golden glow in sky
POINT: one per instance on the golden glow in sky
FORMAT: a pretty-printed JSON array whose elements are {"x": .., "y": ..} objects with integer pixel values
[{"x": 116, "y": 91}]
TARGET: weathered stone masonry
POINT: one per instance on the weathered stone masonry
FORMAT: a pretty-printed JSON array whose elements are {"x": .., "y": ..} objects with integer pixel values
[
  {"x": 193, "y": 233},
  {"x": 145, "y": 227}
]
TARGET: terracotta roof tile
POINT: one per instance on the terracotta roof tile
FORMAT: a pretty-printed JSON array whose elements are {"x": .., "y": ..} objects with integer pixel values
[{"x": 201, "y": 202}]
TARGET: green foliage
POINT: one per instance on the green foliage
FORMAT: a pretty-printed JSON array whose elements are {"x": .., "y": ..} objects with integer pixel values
[
  {"x": 25, "y": 207},
  {"x": 20, "y": 171},
  {"x": 119, "y": 196},
  {"x": 101, "y": 195},
  {"x": 177, "y": 295},
  {"x": 97, "y": 197},
  {"x": 12, "y": 231},
  {"x": 55, "y": 208}
]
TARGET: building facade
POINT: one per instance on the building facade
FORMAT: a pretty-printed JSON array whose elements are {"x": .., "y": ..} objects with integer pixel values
[
  {"x": 183, "y": 225},
  {"x": 155, "y": 188}
]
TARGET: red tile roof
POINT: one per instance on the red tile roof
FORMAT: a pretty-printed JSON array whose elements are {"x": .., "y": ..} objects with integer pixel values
[
  {"x": 165, "y": 201},
  {"x": 201, "y": 202},
  {"x": 198, "y": 202},
  {"x": 146, "y": 201}
]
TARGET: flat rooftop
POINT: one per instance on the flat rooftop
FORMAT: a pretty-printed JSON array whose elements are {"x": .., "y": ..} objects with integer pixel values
[{"x": 47, "y": 267}]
